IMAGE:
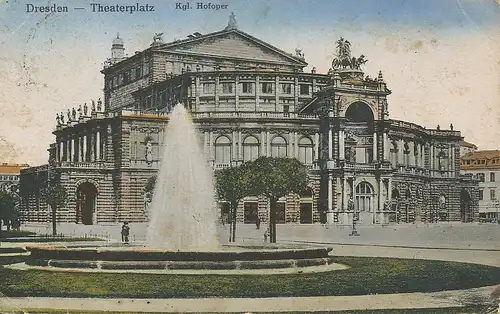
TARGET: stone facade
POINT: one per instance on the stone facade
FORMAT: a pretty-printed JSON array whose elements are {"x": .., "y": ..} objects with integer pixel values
[
  {"x": 484, "y": 166},
  {"x": 250, "y": 99}
]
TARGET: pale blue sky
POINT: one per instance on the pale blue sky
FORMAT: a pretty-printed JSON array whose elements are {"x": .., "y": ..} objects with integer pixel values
[{"x": 440, "y": 57}]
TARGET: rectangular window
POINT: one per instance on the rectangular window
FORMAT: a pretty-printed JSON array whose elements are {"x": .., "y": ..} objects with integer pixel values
[
  {"x": 146, "y": 69},
  {"x": 286, "y": 108},
  {"x": 138, "y": 73},
  {"x": 227, "y": 88},
  {"x": 492, "y": 177},
  {"x": 480, "y": 177},
  {"x": 481, "y": 196},
  {"x": 492, "y": 195},
  {"x": 149, "y": 102},
  {"x": 208, "y": 88},
  {"x": 304, "y": 89},
  {"x": 267, "y": 88},
  {"x": 286, "y": 88},
  {"x": 247, "y": 88}
]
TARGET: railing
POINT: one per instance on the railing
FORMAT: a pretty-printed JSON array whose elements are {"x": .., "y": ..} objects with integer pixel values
[
  {"x": 254, "y": 115},
  {"x": 352, "y": 86},
  {"x": 78, "y": 164},
  {"x": 222, "y": 166}
]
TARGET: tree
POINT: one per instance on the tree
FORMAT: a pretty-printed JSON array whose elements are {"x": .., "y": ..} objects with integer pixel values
[
  {"x": 7, "y": 209},
  {"x": 275, "y": 178},
  {"x": 232, "y": 185},
  {"x": 56, "y": 197}
]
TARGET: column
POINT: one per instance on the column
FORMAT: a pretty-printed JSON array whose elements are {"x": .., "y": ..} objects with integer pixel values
[
  {"x": 263, "y": 143},
  {"x": 98, "y": 145},
  {"x": 240, "y": 146},
  {"x": 412, "y": 153},
  {"x": 85, "y": 143},
  {"x": 73, "y": 146},
  {"x": 431, "y": 158},
  {"x": 211, "y": 145},
  {"x": 233, "y": 146},
  {"x": 375, "y": 153},
  {"x": 205, "y": 143},
  {"x": 344, "y": 194},
  {"x": 296, "y": 150},
  {"x": 291, "y": 153},
  {"x": 341, "y": 145},
  {"x": 386, "y": 146},
  {"x": 330, "y": 143},
  {"x": 316, "y": 146},
  {"x": 389, "y": 189},
  {"x": 401, "y": 149},
  {"x": 69, "y": 150},
  {"x": 329, "y": 214},
  {"x": 379, "y": 201},
  {"x": 268, "y": 144},
  {"x": 58, "y": 152},
  {"x": 453, "y": 160}
]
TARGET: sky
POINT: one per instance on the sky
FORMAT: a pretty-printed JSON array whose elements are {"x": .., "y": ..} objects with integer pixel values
[{"x": 440, "y": 58}]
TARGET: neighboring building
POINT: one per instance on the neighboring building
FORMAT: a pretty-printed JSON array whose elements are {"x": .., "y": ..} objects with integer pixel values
[
  {"x": 484, "y": 165},
  {"x": 466, "y": 148},
  {"x": 251, "y": 99},
  {"x": 9, "y": 175}
]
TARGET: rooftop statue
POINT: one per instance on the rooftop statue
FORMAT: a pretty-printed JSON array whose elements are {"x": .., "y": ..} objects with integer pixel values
[
  {"x": 299, "y": 54},
  {"x": 79, "y": 111},
  {"x": 232, "y": 22},
  {"x": 58, "y": 120},
  {"x": 85, "y": 109},
  {"x": 158, "y": 37},
  {"x": 343, "y": 59},
  {"x": 93, "y": 106},
  {"x": 61, "y": 117},
  {"x": 69, "y": 115}
]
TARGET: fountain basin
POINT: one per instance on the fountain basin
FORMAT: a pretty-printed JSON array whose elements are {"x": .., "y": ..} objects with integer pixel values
[{"x": 138, "y": 258}]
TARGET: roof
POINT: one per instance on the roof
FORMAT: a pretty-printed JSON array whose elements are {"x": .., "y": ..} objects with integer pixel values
[
  {"x": 483, "y": 159},
  {"x": 482, "y": 154},
  {"x": 193, "y": 40},
  {"x": 467, "y": 144},
  {"x": 6, "y": 168}
]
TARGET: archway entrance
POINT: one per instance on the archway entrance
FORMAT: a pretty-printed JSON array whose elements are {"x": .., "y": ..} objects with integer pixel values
[
  {"x": 359, "y": 112},
  {"x": 466, "y": 214},
  {"x": 86, "y": 195}
]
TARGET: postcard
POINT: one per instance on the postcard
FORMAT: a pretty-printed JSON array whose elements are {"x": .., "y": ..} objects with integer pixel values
[{"x": 249, "y": 156}]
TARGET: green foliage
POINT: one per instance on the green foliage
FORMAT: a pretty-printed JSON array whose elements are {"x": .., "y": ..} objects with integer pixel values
[
  {"x": 8, "y": 207},
  {"x": 233, "y": 184},
  {"x": 367, "y": 275},
  {"x": 55, "y": 195},
  {"x": 276, "y": 177}
]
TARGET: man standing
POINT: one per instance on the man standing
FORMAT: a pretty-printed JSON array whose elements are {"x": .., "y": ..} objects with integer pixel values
[{"x": 125, "y": 232}]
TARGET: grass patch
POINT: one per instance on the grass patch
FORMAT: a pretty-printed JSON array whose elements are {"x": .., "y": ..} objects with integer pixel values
[
  {"x": 15, "y": 234},
  {"x": 366, "y": 276}
]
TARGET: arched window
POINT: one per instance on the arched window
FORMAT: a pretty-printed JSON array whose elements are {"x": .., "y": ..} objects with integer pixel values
[
  {"x": 278, "y": 147},
  {"x": 364, "y": 197},
  {"x": 222, "y": 150},
  {"x": 251, "y": 148},
  {"x": 306, "y": 150}
]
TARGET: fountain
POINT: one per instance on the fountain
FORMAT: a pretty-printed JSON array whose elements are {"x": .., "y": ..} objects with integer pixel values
[
  {"x": 182, "y": 233},
  {"x": 183, "y": 212}
]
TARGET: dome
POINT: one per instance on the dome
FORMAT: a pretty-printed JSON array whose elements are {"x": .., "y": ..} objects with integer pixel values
[{"x": 118, "y": 41}]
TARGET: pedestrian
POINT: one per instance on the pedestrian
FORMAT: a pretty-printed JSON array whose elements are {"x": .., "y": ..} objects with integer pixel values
[
  {"x": 125, "y": 232},
  {"x": 257, "y": 223},
  {"x": 266, "y": 234}
]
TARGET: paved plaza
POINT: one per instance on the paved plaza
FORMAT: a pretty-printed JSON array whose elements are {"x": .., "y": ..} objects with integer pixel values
[{"x": 474, "y": 243}]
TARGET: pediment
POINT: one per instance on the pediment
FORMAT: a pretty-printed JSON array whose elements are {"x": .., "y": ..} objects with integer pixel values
[{"x": 237, "y": 45}]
